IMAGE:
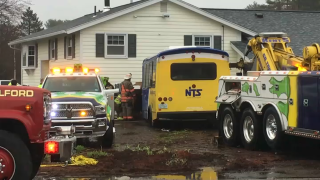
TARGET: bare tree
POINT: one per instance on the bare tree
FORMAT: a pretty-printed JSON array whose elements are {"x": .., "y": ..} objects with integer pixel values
[{"x": 12, "y": 9}]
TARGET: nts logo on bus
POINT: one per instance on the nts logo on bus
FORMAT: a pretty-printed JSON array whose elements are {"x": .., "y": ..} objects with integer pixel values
[{"x": 192, "y": 91}]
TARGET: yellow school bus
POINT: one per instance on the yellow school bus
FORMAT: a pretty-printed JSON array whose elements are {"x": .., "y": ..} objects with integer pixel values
[{"x": 182, "y": 84}]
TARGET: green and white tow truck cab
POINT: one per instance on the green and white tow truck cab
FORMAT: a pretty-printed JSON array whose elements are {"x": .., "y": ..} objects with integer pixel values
[{"x": 79, "y": 99}]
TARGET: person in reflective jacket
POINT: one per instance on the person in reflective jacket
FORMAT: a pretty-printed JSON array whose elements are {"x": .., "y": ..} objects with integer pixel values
[
  {"x": 41, "y": 81},
  {"x": 118, "y": 108},
  {"x": 13, "y": 83},
  {"x": 106, "y": 83}
]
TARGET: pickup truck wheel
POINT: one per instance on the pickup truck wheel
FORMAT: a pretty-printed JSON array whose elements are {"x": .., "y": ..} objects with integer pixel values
[
  {"x": 250, "y": 128},
  {"x": 108, "y": 137},
  {"x": 229, "y": 127},
  {"x": 15, "y": 157},
  {"x": 272, "y": 129}
]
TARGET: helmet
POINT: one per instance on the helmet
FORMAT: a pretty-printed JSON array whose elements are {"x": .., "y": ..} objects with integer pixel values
[{"x": 127, "y": 76}]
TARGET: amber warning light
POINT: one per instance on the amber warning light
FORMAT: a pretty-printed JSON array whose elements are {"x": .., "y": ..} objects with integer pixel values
[{"x": 51, "y": 147}]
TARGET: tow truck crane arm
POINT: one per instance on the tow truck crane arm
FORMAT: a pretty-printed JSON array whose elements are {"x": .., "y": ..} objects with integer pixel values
[{"x": 272, "y": 53}]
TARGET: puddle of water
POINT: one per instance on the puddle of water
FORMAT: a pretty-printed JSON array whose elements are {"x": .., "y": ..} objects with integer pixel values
[{"x": 207, "y": 173}]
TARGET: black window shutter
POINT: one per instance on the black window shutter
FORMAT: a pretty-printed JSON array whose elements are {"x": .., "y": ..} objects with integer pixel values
[
  {"x": 73, "y": 45},
  {"x": 217, "y": 42},
  {"x": 49, "y": 56},
  {"x": 36, "y": 54},
  {"x": 188, "y": 40},
  {"x": 99, "y": 45},
  {"x": 65, "y": 47},
  {"x": 132, "y": 45},
  {"x": 56, "y": 48}
]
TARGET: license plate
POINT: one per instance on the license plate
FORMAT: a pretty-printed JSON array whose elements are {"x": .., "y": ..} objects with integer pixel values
[{"x": 163, "y": 106}]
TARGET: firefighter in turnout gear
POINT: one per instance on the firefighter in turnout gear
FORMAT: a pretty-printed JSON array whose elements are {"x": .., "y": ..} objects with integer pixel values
[
  {"x": 118, "y": 108},
  {"x": 127, "y": 94}
]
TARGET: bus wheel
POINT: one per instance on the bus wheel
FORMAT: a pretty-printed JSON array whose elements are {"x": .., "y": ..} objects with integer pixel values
[
  {"x": 229, "y": 127},
  {"x": 250, "y": 129},
  {"x": 272, "y": 129}
]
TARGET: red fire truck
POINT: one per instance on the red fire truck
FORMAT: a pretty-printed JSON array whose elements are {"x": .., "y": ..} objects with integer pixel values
[{"x": 24, "y": 138}]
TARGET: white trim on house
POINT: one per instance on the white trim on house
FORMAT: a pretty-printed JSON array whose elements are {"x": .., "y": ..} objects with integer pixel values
[
  {"x": 68, "y": 45},
  {"x": 36, "y": 38},
  {"x": 202, "y": 35},
  {"x": 211, "y": 16},
  {"x": 112, "y": 16},
  {"x": 27, "y": 57},
  {"x": 239, "y": 52},
  {"x": 125, "y": 56}
]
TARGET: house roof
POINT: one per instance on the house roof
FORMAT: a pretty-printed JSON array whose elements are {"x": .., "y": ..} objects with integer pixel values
[
  {"x": 62, "y": 28},
  {"x": 301, "y": 26},
  {"x": 89, "y": 20}
]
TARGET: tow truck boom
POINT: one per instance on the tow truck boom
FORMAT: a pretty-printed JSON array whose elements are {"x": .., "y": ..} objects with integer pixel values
[{"x": 272, "y": 53}]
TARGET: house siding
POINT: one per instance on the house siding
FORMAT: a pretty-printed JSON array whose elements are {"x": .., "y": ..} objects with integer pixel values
[
  {"x": 32, "y": 77},
  {"x": 154, "y": 34}
]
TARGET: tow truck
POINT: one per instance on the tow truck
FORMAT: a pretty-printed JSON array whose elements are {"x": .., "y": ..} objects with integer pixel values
[
  {"x": 272, "y": 52},
  {"x": 79, "y": 99},
  {"x": 282, "y": 97},
  {"x": 24, "y": 127}
]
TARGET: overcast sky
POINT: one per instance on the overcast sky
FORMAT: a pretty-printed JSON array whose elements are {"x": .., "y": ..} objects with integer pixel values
[{"x": 71, "y": 9}]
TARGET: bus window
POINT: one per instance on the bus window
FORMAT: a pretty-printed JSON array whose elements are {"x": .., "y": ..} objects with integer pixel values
[
  {"x": 154, "y": 67},
  {"x": 193, "y": 71}
]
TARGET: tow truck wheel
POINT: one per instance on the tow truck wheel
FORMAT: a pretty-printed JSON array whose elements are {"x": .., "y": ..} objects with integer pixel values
[
  {"x": 229, "y": 127},
  {"x": 108, "y": 137},
  {"x": 272, "y": 129},
  {"x": 15, "y": 157},
  {"x": 250, "y": 129}
]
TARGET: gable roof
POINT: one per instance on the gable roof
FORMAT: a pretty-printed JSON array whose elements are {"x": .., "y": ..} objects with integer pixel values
[
  {"x": 88, "y": 20},
  {"x": 301, "y": 26},
  {"x": 63, "y": 28}
]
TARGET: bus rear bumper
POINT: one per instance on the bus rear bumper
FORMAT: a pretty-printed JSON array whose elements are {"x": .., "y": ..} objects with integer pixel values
[{"x": 187, "y": 116}]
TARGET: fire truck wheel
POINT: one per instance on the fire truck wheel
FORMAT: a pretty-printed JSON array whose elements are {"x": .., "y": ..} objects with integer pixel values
[
  {"x": 250, "y": 129},
  {"x": 15, "y": 157},
  {"x": 37, "y": 154},
  {"x": 229, "y": 127},
  {"x": 108, "y": 137},
  {"x": 272, "y": 129}
]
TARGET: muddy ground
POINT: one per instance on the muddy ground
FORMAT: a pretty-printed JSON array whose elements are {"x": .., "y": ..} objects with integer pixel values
[{"x": 140, "y": 150}]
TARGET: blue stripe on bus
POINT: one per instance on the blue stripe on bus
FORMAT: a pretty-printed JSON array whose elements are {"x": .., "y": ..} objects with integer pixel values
[{"x": 190, "y": 49}]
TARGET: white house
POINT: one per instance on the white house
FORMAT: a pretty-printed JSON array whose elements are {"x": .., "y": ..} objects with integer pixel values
[{"x": 118, "y": 39}]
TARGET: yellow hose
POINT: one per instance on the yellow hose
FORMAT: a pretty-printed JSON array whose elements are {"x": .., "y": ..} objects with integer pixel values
[{"x": 76, "y": 161}]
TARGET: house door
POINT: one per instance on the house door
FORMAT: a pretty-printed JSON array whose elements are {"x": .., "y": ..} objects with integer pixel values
[
  {"x": 309, "y": 90},
  {"x": 44, "y": 68}
]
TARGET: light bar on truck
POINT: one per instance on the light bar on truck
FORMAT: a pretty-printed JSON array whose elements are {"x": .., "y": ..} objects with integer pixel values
[
  {"x": 70, "y": 70},
  {"x": 56, "y": 70}
]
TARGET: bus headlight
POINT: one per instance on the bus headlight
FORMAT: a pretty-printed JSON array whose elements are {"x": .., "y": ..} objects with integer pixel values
[{"x": 100, "y": 109}]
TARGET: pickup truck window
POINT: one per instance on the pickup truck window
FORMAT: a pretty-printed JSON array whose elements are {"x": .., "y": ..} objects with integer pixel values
[{"x": 72, "y": 84}]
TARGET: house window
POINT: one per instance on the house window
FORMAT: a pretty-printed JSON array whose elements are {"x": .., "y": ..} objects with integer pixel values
[
  {"x": 69, "y": 47},
  {"x": 52, "y": 49},
  {"x": 31, "y": 56},
  {"x": 116, "y": 45},
  {"x": 203, "y": 41}
]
